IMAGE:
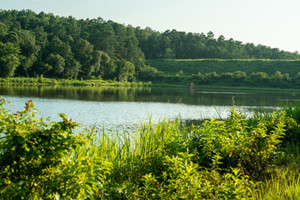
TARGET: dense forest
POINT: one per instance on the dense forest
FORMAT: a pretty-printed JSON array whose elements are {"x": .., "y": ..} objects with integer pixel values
[{"x": 46, "y": 45}]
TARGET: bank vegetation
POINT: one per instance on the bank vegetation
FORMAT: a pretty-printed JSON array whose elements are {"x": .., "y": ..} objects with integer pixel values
[{"x": 237, "y": 158}]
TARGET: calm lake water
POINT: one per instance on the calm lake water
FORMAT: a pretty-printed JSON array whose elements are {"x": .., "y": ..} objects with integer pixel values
[{"x": 124, "y": 108}]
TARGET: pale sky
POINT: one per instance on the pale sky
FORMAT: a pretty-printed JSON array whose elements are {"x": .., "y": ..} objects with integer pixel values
[{"x": 274, "y": 23}]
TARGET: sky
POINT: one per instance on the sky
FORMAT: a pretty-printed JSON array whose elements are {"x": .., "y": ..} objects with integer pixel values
[{"x": 274, "y": 23}]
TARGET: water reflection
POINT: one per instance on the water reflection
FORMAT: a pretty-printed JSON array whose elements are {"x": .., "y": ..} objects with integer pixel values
[
  {"x": 124, "y": 108},
  {"x": 218, "y": 97},
  {"x": 119, "y": 115}
]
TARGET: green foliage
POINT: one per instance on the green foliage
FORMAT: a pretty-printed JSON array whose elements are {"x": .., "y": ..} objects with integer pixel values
[
  {"x": 181, "y": 45},
  {"x": 293, "y": 111},
  {"x": 182, "y": 179},
  {"x": 95, "y": 47},
  {"x": 216, "y": 160},
  {"x": 234, "y": 144},
  {"x": 193, "y": 66},
  {"x": 9, "y": 59},
  {"x": 44, "y": 160},
  {"x": 125, "y": 71},
  {"x": 56, "y": 64},
  {"x": 150, "y": 73},
  {"x": 284, "y": 179},
  {"x": 67, "y": 48},
  {"x": 239, "y": 76},
  {"x": 292, "y": 123},
  {"x": 68, "y": 82},
  {"x": 242, "y": 73}
]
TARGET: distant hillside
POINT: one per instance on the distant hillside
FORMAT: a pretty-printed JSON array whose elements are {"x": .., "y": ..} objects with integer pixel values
[
  {"x": 194, "y": 66},
  {"x": 46, "y": 45},
  {"x": 242, "y": 73}
]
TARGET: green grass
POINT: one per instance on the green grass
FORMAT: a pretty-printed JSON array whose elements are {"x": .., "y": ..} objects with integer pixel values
[
  {"x": 284, "y": 181},
  {"x": 193, "y": 66},
  {"x": 134, "y": 155},
  {"x": 67, "y": 82}
]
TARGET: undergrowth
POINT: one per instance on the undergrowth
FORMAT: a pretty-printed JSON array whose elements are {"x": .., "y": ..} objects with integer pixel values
[{"x": 236, "y": 158}]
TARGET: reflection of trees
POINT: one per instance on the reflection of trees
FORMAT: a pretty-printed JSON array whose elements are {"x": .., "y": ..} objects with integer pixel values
[
  {"x": 74, "y": 92},
  {"x": 156, "y": 94},
  {"x": 122, "y": 94}
]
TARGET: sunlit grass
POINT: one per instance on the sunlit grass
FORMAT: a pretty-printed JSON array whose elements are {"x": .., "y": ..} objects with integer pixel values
[
  {"x": 130, "y": 152},
  {"x": 67, "y": 82},
  {"x": 284, "y": 180}
]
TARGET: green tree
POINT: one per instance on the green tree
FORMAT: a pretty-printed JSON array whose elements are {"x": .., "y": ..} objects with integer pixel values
[
  {"x": 3, "y": 29},
  {"x": 79, "y": 43},
  {"x": 277, "y": 76},
  {"x": 107, "y": 66},
  {"x": 9, "y": 59},
  {"x": 125, "y": 71},
  {"x": 29, "y": 51},
  {"x": 239, "y": 76},
  {"x": 72, "y": 69},
  {"x": 279, "y": 79},
  {"x": 57, "y": 63},
  {"x": 211, "y": 77},
  {"x": 259, "y": 78},
  {"x": 149, "y": 73},
  {"x": 83, "y": 51}
]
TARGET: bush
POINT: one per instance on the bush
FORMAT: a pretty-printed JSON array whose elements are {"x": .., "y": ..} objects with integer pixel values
[
  {"x": 232, "y": 144},
  {"x": 183, "y": 179},
  {"x": 217, "y": 160},
  {"x": 42, "y": 160}
]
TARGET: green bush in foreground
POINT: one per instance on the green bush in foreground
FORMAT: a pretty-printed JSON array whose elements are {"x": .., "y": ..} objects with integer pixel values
[
  {"x": 232, "y": 143},
  {"x": 217, "y": 160},
  {"x": 183, "y": 179},
  {"x": 44, "y": 160}
]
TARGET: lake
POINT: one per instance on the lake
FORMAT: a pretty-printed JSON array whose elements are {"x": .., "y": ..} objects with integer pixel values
[{"x": 123, "y": 108}]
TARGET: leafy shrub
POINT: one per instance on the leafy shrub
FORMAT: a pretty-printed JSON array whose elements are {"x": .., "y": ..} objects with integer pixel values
[
  {"x": 289, "y": 116},
  {"x": 235, "y": 145},
  {"x": 292, "y": 121},
  {"x": 183, "y": 179},
  {"x": 149, "y": 73},
  {"x": 216, "y": 160},
  {"x": 45, "y": 160}
]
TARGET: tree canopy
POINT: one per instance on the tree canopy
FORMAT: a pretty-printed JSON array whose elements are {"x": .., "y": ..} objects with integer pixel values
[{"x": 34, "y": 44}]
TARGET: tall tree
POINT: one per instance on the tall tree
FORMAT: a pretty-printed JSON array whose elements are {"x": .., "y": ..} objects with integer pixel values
[
  {"x": 9, "y": 59},
  {"x": 56, "y": 63},
  {"x": 125, "y": 71}
]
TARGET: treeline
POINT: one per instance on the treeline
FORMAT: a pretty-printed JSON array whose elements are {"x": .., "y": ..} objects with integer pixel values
[
  {"x": 44, "y": 44},
  {"x": 181, "y": 45},
  {"x": 34, "y": 44}
]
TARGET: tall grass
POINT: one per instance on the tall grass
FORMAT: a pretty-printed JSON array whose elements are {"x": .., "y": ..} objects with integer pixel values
[
  {"x": 71, "y": 82},
  {"x": 218, "y": 159},
  {"x": 284, "y": 181},
  {"x": 136, "y": 154}
]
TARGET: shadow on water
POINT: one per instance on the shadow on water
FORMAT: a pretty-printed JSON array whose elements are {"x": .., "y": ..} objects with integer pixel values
[
  {"x": 217, "y": 97},
  {"x": 124, "y": 107}
]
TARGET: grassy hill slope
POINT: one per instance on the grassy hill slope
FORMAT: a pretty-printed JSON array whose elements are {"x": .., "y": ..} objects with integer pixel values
[{"x": 193, "y": 66}]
